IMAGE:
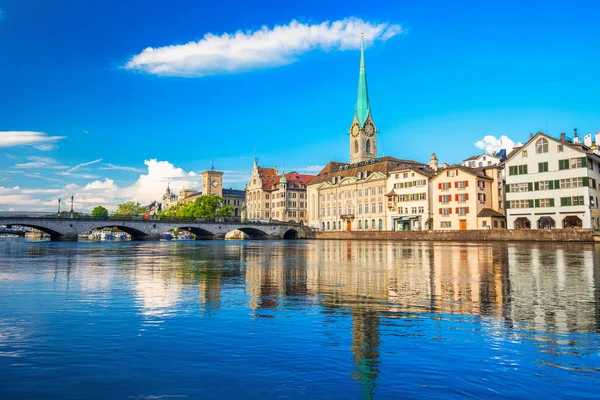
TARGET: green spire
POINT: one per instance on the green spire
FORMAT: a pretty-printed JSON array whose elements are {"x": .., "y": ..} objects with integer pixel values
[
  {"x": 362, "y": 103},
  {"x": 283, "y": 179}
]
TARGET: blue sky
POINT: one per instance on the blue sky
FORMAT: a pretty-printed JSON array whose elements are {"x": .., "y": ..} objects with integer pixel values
[{"x": 442, "y": 76}]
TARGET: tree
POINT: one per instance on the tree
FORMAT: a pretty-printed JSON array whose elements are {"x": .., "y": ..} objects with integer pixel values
[
  {"x": 100, "y": 212},
  {"x": 203, "y": 207},
  {"x": 129, "y": 208}
]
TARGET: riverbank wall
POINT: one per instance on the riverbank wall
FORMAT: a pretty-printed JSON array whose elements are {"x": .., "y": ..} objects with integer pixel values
[{"x": 513, "y": 235}]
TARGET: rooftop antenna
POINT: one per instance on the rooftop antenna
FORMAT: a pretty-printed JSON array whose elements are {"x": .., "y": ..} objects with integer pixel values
[{"x": 212, "y": 165}]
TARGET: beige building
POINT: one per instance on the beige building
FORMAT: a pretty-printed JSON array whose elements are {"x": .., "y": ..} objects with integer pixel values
[
  {"x": 271, "y": 196},
  {"x": 408, "y": 196},
  {"x": 468, "y": 198}
]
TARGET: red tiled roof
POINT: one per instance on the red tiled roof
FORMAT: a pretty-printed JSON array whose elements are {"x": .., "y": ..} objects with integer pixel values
[
  {"x": 270, "y": 178},
  {"x": 383, "y": 165},
  {"x": 390, "y": 194}
]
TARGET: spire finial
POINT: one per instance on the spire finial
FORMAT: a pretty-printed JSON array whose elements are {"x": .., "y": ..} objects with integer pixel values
[{"x": 212, "y": 164}]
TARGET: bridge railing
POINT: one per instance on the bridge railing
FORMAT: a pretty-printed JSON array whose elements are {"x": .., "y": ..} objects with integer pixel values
[{"x": 138, "y": 218}]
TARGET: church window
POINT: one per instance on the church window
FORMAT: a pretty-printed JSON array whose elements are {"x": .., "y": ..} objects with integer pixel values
[{"x": 368, "y": 150}]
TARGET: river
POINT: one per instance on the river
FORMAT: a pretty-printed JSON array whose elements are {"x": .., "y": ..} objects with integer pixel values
[{"x": 298, "y": 319}]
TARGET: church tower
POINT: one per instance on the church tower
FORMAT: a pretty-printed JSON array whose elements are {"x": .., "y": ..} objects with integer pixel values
[
  {"x": 363, "y": 133},
  {"x": 212, "y": 182}
]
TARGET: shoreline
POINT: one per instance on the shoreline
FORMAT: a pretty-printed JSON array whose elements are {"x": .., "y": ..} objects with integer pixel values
[{"x": 556, "y": 235}]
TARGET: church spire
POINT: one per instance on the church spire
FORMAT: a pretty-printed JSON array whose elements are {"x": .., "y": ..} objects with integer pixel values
[{"x": 362, "y": 103}]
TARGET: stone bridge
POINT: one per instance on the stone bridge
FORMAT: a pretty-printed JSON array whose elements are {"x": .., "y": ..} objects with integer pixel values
[{"x": 68, "y": 228}]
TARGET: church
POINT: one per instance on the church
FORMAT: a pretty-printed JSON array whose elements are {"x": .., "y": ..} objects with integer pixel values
[{"x": 352, "y": 196}]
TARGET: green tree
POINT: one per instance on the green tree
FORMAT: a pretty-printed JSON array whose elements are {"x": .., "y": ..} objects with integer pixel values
[
  {"x": 129, "y": 208},
  {"x": 100, "y": 212},
  {"x": 202, "y": 207}
]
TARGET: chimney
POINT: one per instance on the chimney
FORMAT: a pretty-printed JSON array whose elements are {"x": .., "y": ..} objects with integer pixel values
[
  {"x": 575, "y": 136},
  {"x": 530, "y": 136},
  {"x": 562, "y": 137}
]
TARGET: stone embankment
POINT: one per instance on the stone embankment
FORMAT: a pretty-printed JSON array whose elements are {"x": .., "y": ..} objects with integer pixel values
[{"x": 555, "y": 235}]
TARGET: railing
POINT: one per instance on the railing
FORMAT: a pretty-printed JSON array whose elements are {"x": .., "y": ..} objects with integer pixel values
[{"x": 137, "y": 218}]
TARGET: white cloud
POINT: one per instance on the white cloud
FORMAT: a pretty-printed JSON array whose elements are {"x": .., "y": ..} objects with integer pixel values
[
  {"x": 310, "y": 169},
  {"x": 490, "y": 144},
  {"x": 263, "y": 48},
  {"x": 40, "y": 162},
  {"x": 75, "y": 168},
  {"x": 38, "y": 140},
  {"x": 103, "y": 185}
]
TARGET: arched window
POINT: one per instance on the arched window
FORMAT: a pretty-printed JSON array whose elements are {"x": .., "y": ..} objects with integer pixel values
[
  {"x": 380, "y": 225},
  {"x": 541, "y": 146},
  {"x": 359, "y": 224},
  {"x": 366, "y": 224},
  {"x": 328, "y": 225},
  {"x": 323, "y": 225},
  {"x": 339, "y": 225},
  {"x": 334, "y": 225},
  {"x": 368, "y": 146},
  {"x": 356, "y": 146},
  {"x": 372, "y": 224}
]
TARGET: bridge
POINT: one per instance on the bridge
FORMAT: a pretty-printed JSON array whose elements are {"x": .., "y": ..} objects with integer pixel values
[{"x": 67, "y": 227}]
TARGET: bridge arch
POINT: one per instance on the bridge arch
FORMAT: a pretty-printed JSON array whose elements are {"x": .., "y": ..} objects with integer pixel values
[
  {"x": 54, "y": 235},
  {"x": 254, "y": 233},
  {"x": 135, "y": 233},
  {"x": 291, "y": 234},
  {"x": 198, "y": 232}
]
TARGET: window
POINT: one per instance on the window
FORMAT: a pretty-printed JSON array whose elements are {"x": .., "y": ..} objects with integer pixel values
[
  {"x": 372, "y": 191},
  {"x": 461, "y": 184},
  {"x": 462, "y": 197},
  {"x": 517, "y": 170},
  {"x": 445, "y": 211},
  {"x": 359, "y": 224},
  {"x": 446, "y": 224},
  {"x": 576, "y": 162},
  {"x": 518, "y": 187},
  {"x": 360, "y": 209},
  {"x": 541, "y": 146},
  {"x": 484, "y": 224},
  {"x": 462, "y": 210},
  {"x": 373, "y": 209},
  {"x": 380, "y": 207},
  {"x": 521, "y": 203},
  {"x": 495, "y": 224},
  {"x": 452, "y": 172},
  {"x": 524, "y": 154},
  {"x": 380, "y": 190},
  {"x": 546, "y": 203},
  {"x": 565, "y": 201},
  {"x": 560, "y": 148},
  {"x": 481, "y": 184},
  {"x": 481, "y": 197},
  {"x": 372, "y": 224},
  {"x": 571, "y": 183},
  {"x": 445, "y": 199},
  {"x": 444, "y": 186},
  {"x": 544, "y": 185},
  {"x": 578, "y": 201},
  {"x": 543, "y": 167}
]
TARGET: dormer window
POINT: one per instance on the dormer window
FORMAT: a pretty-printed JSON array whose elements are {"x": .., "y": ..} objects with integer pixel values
[{"x": 541, "y": 146}]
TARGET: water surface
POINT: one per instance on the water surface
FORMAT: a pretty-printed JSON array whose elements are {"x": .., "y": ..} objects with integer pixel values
[{"x": 298, "y": 319}]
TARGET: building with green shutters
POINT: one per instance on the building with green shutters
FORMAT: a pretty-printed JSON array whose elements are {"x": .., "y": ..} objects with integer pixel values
[{"x": 552, "y": 184}]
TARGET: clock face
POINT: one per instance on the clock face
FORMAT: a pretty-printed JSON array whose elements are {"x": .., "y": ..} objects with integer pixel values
[
  {"x": 369, "y": 129},
  {"x": 355, "y": 130},
  {"x": 215, "y": 183}
]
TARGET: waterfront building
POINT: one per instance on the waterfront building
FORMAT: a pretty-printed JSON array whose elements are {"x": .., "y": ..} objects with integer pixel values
[
  {"x": 351, "y": 196},
  {"x": 484, "y": 160},
  {"x": 169, "y": 199},
  {"x": 274, "y": 196},
  {"x": 468, "y": 198},
  {"x": 408, "y": 197},
  {"x": 552, "y": 183}
]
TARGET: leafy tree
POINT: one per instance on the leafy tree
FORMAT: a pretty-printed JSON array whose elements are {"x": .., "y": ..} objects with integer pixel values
[
  {"x": 129, "y": 208},
  {"x": 202, "y": 207},
  {"x": 100, "y": 212}
]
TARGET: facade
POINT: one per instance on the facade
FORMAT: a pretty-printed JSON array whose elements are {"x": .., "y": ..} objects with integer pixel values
[
  {"x": 552, "y": 183},
  {"x": 352, "y": 196},
  {"x": 467, "y": 198},
  {"x": 408, "y": 197},
  {"x": 270, "y": 196},
  {"x": 484, "y": 160}
]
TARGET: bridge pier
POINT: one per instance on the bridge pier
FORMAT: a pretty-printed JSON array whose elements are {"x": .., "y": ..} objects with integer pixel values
[{"x": 65, "y": 237}]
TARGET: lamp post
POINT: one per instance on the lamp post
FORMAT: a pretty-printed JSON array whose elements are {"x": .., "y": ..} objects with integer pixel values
[
  {"x": 72, "y": 196},
  {"x": 58, "y": 207}
]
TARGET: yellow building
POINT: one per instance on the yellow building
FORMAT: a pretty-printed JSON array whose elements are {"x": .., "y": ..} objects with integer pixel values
[{"x": 468, "y": 198}]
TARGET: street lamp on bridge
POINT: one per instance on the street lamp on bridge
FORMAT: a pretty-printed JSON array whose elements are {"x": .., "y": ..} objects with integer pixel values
[{"x": 72, "y": 196}]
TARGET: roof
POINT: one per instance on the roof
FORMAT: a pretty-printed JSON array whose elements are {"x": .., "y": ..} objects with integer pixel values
[
  {"x": 575, "y": 146},
  {"x": 362, "y": 103},
  {"x": 471, "y": 158},
  {"x": 382, "y": 165},
  {"x": 270, "y": 179},
  {"x": 234, "y": 192},
  {"x": 390, "y": 194},
  {"x": 478, "y": 172},
  {"x": 421, "y": 169},
  {"x": 488, "y": 212}
]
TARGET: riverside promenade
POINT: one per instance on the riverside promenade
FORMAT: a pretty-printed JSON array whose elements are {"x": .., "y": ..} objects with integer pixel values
[{"x": 511, "y": 235}]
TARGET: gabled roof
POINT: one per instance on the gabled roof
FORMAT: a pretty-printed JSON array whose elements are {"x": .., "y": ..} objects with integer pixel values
[
  {"x": 421, "y": 169},
  {"x": 488, "y": 212},
  {"x": 382, "y": 165},
  {"x": 478, "y": 172},
  {"x": 582, "y": 148},
  {"x": 294, "y": 180}
]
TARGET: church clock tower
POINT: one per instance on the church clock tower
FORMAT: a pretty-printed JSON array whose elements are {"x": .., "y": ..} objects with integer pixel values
[
  {"x": 363, "y": 133},
  {"x": 212, "y": 182}
]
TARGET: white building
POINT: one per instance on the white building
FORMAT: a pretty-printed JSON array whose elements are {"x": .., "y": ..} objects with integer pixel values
[
  {"x": 483, "y": 160},
  {"x": 552, "y": 183},
  {"x": 408, "y": 197}
]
